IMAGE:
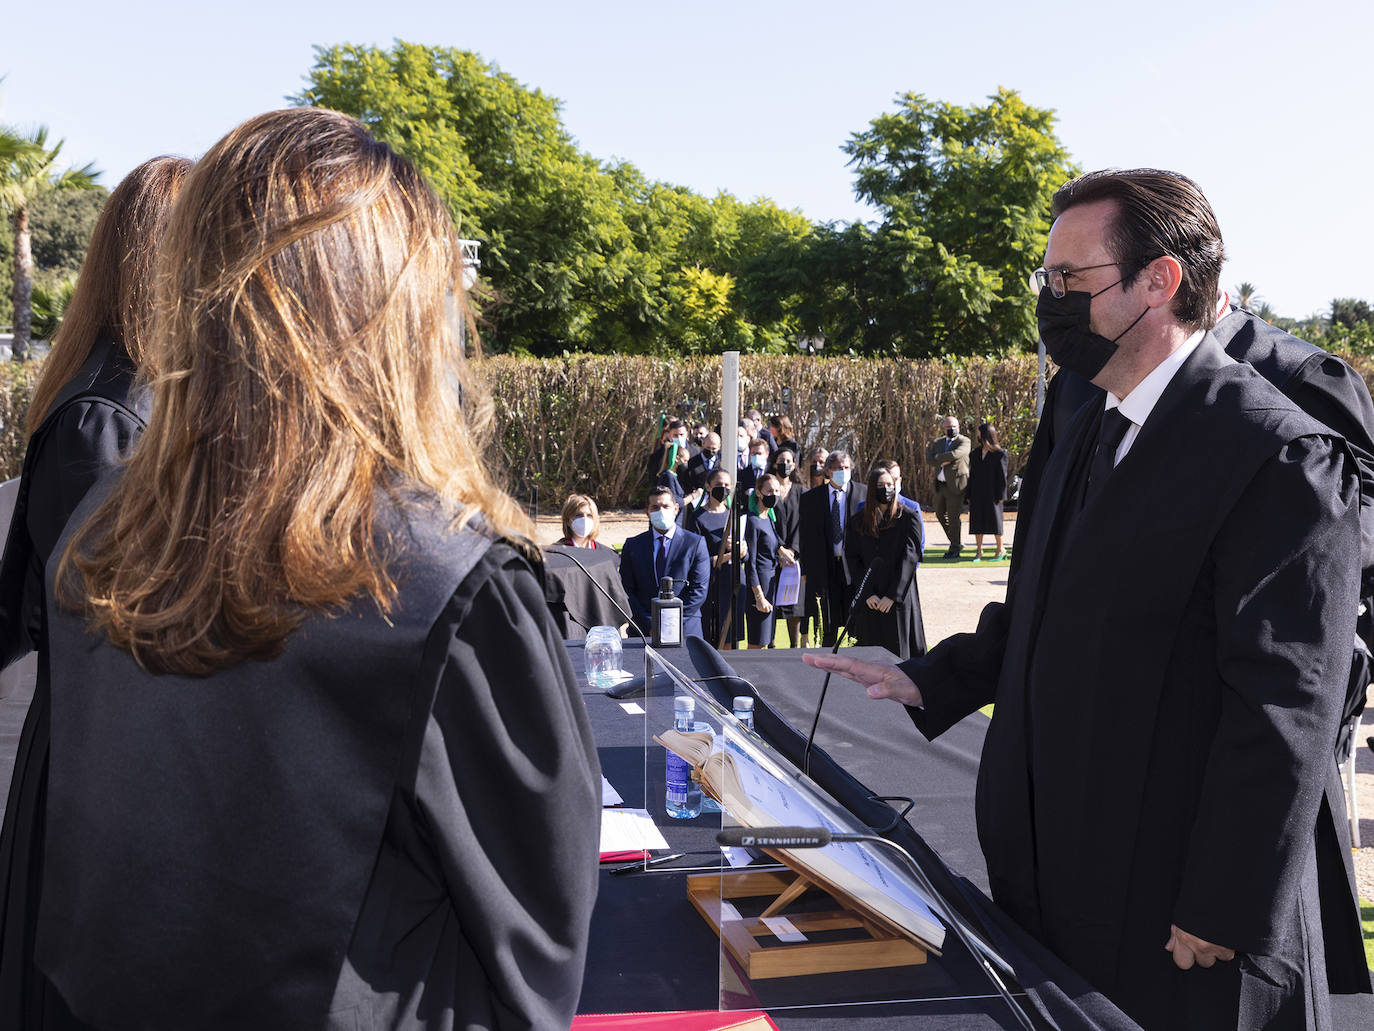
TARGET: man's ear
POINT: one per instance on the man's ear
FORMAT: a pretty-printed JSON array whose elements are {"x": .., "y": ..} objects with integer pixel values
[{"x": 1163, "y": 277}]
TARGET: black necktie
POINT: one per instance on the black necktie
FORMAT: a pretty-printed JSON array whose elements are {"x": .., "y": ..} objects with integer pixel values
[
  {"x": 661, "y": 559},
  {"x": 1114, "y": 427},
  {"x": 836, "y": 533}
]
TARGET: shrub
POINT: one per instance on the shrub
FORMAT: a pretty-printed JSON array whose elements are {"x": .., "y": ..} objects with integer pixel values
[{"x": 587, "y": 423}]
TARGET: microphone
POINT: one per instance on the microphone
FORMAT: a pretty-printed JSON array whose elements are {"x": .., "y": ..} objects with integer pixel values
[
  {"x": 777, "y": 837},
  {"x": 825, "y": 686}
]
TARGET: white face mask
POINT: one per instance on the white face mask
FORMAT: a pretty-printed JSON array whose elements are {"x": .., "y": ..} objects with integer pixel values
[
  {"x": 661, "y": 519},
  {"x": 839, "y": 477},
  {"x": 582, "y": 526}
]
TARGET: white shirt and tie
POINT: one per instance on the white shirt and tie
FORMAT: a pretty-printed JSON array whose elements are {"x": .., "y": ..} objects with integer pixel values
[
  {"x": 1140, "y": 402},
  {"x": 838, "y": 507}
]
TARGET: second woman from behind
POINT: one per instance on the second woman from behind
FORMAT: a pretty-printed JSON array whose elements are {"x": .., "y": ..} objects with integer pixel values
[
  {"x": 885, "y": 540},
  {"x": 84, "y": 416}
]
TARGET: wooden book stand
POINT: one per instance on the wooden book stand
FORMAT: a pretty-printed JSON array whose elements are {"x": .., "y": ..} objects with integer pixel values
[{"x": 877, "y": 946}]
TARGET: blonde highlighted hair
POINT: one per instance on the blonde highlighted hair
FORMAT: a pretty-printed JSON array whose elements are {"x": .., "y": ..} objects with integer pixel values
[
  {"x": 114, "y": 291},
  {"x": 304, "y": 369}
]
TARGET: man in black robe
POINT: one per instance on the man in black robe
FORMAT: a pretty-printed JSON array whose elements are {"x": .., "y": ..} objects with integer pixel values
[{"x": 1169, "y": 667}]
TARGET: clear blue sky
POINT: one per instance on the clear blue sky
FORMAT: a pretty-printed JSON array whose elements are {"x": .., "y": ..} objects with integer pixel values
[{"x": 1266, "y": 105}]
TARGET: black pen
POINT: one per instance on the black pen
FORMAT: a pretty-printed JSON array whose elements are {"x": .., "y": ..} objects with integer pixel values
[{"x": 651, "y": 862}]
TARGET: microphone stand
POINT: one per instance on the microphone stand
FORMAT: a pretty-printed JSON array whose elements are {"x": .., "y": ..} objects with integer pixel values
[{"x": 825, "y": 686}]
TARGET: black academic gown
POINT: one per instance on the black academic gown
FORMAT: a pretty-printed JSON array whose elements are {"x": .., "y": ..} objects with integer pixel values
[
  {"x": 894, "y": 556},
  {"x": 92, "y": 422},
  {"x": 1166, "y": 702},
  {"x": 393, "y": 824},
  {"x": 1329, "y": 390}
]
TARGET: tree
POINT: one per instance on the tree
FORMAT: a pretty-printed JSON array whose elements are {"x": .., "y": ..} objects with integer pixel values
[
  {"x": 1350, "y": 312},
  {"x": 1244, "y": 295},
  {"x": 28, "y": 171},
  {"x": 578, "y": 254},
  {"x": 50, "y": 306},
  {"x": 964, "y": 194},
  {"x": 63, "y": 222}
]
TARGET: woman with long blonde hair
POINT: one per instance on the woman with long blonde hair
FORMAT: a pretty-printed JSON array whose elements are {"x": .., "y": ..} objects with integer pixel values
[
  {"x": 315, "y": 736},
  {"x": 83, "y": 416}
]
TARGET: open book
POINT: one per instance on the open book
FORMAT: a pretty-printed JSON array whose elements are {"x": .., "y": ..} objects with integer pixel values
[{"x": 757, "y": 794}]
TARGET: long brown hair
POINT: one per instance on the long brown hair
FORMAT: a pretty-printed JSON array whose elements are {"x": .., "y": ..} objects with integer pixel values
[
  {"x": 114, "y": 290},
  {"x": 304, "y": 365},
  {"x": 875, "y": 516}
]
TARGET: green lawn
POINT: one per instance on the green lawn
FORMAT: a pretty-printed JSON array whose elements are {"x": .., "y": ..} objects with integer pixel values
[{"x": 1367, "y": 919}]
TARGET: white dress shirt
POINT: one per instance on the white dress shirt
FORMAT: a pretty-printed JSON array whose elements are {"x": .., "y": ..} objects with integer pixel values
[{"x": 1140, "y": 402}]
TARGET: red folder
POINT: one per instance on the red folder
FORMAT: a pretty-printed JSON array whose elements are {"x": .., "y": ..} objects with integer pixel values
[{"x": 690, "y": 1020}]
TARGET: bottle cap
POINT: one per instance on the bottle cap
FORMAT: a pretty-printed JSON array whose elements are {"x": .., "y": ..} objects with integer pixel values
[
  {"x": 742, "y": 701},
  {"x": 684, "y": 704},
  {"x": 665, "y": 587}
]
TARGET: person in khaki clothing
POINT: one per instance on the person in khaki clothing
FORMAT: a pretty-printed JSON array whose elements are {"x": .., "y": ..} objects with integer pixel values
[{"x": 949, "y": 454}]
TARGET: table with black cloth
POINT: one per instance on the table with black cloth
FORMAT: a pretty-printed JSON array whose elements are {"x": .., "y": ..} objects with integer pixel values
[{"x": 651, "y": 950}]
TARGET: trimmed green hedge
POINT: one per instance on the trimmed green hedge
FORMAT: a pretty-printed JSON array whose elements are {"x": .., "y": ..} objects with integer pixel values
[{"x": 587, "y": 423}]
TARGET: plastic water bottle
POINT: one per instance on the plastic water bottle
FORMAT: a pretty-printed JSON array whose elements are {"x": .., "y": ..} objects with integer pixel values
[
  {"x": 744, "y": 710},
  {"x": 708, "y": 804},
  {"x": 683, "y": 798},
  {"x": 602, "y": 654}
]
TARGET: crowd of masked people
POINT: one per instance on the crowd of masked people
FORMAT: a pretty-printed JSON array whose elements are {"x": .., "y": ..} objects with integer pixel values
[{"x": 818, "y": 546}]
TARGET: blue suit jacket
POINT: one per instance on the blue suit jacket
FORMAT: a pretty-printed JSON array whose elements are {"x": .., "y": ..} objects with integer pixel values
[{"x": 688, "y": 563}]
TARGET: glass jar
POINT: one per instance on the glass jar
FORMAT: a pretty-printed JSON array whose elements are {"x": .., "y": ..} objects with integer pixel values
[{"x": 602, "y": 653}]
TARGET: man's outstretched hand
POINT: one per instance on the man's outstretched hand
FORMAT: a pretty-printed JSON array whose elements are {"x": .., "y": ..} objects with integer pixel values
[{"x": 880, "y": 681}]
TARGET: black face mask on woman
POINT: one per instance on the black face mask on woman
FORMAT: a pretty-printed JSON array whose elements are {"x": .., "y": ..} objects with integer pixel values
[
  {"x": 720, "y": 492},
  {"x": 885, "y": 494},
  {"x": 1064, "y": 329}
]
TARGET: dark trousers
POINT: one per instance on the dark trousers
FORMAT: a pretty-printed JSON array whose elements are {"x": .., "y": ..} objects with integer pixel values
[
  {"x": 949, "y": 504},
  {"x": 834, "y": 597}
]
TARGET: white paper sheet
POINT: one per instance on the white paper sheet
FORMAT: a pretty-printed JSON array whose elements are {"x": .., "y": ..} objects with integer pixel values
[
  {"x": 629, "y": 830},
  {"x": 609, "y": 795}
]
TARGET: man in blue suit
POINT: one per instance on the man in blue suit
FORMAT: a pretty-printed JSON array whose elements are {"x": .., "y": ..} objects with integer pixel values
[{"x": 665, "y": 549}]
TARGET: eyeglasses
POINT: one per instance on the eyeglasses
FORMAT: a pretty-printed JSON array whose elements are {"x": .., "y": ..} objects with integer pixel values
[{"x": 1055, "y": 278}]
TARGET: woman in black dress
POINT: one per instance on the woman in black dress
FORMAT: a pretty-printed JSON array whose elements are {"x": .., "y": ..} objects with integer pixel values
[
  {"x": 314, "y": 733},
  {"x": 987, "y": 489},
  {"x": 83, "y": 417},
  {"x": 764, "y": 564},
  {"x": 787, "y": 520},
  {"x": 885, "y": 540},
  {"x": 711, "y": 519}
]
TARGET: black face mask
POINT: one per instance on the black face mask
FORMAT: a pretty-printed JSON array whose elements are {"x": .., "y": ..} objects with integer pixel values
[
  {"x": 1064, "y": 329},
  {"x": 784, "y": 469},
  {"x": 720, "y": 492},
  {"x": 951, "y": 433},
  {"x": 885, "y": 494},
  {"x": 767, "y": 500},
  {"x": 818, "y": 470},
  {"x": 707, "y": 453}
]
